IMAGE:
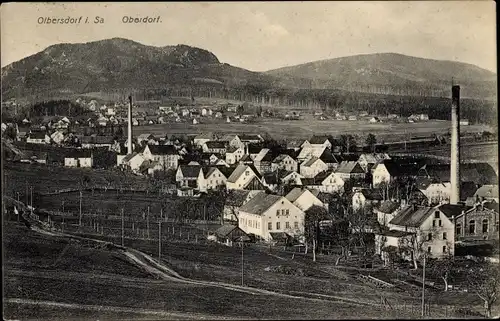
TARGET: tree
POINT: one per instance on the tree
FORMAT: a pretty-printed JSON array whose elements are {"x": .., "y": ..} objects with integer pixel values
[
  {"x": 371, "y": 141},
  {"x": 313, "y": 216},
  {"x": 347, "y": 143},
  {"x": 443, "y": 268},
  {"x": 484, "y": 280}
]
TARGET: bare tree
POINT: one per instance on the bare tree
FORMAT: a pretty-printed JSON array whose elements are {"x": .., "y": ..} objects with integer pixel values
[
  {"x": 313, "y": 216},
  {"x": 444, "y": 267},
  {"x": 484, "y": 280}
]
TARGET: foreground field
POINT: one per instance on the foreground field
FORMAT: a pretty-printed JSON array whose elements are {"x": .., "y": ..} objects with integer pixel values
[
  {"x": 34, "y": 291},
  {"x": 304, "y": 129}
]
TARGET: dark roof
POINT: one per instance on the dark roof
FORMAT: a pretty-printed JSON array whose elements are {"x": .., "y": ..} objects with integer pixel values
[
  {"x": 79, "y": 153},
  {"x": 328, "y": 157},
  {"x": 248, "y": 137},
  {"x": 412, "y": 215},
  {"x": 254, "y": 148},
  {"x": 467, "y": 189},
  {"x": 162, "y": 149},
  {"x": 297, "y": 192},
  {"x": 396, "y": 168},
  {"x": 347, "y": 157},
  {"x": 372, "y": 194},
  {"x": 37, "y": 135},
  {"x": 317, "y": 139},
  {"x": 260, "y": 203},
  {"x": 216, "y": 144},
  {"x": 395, "y": 233},
  {"x": 491, "y": 206},
  {"x": 280, "y": 236},
  {"x": 451, "y": 210},
  {"x": 480, "y": 173},
  {"x": 271, "y": 178},
  {"x": 388, "y": 207},
  {"x": 226, "y": 230},
  {"x": 350, "y": 167},
  {"x": 191, "y": 171},
  {"x": 236, "y": 197}
]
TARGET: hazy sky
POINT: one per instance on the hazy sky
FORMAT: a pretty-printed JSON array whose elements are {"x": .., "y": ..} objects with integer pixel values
[{"x": 261, "y": 36}]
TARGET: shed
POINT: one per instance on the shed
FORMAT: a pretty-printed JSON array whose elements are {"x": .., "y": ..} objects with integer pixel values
[{"x": 228, "y": 234}]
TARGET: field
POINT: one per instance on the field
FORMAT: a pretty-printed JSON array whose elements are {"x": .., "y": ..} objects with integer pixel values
[
  {"x": 304, "y": 129},
  {"x": 103, "y": 287}
]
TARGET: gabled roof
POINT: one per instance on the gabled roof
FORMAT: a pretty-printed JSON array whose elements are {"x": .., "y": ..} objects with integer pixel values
[
  {"x": 37, "y": 135},
  {"x": 260, "y": 203},
  {"x": 297, "y": 192},
  {"x": 145, "y": 136},
  {"x": 190, "y": 171},
  {"x": 467, "y": 189},
  {"x": 347, "y": 157},
  {"x": 349, "y": 167},
  {"x": 375, "y": 158},
  {"x": 372, "y": 194},
  {"x": 396, "y": 168},
  {"x": 239, "y": 171},
  {"x": 412, "y": 216},
  {"x": 216, "y": 144},
  {"x": 249, "y": 137},
  {"x": 280, "y": 158},
  {"x": 237, "y": 197},
  {"x": 162, "y": 149},
  {"x": 388, "y": 207},
  {"x": 310, "y": 161},
  {"x": 79, "y": 153},
  {"x": 232, "y": 149},
  {"x": 328, "y": 157},
  {"x": 260, "y": 156},
  {"x": 227, "y": 229},
  {"x": 395, "y": 233},
  {"x": 451, "y": 210},
  {"x": 129, "y": 157},
  {"x": 209, "y": 171}
]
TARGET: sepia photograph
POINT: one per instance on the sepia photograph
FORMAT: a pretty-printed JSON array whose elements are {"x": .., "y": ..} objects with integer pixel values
[{"x": 249, "y": 160}]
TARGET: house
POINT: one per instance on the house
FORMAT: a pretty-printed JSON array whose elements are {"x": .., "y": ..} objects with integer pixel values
[
  {"x": 230, "y": 234},
  {"x": 195, "y": 121},
  {"x": 479, "y": 222},
  {"x": 110, "y": 111},
  {"x": 234, "y": 154},
  {"x": 314, "y": 147},
  {"x": 234, "y": 140},
  {"x": 375, "y": 120},
  {"x": 329, "y": 159},
  {"x": 440, "y": 192},
  {"x": 325, "y": 182},
  {"x": 57, "y": 137},
  {"x": 263, "y": 161},
  {"x": 102, "y": 121},
  {"x": 352, "y": 117},
  {"x": 350, "y": 170},
  {"x": 271, "y": 180},
  {"x": 386, "y": 211},
  {"x": 293, "y": 145},
  {"x": 235, "y": 199},
  {"x": 266, "y": 213},
  {"x": 79, "y": 158},
  {"x": 304, "y": 198},
  {"x": 312, "y": 166},
  {"x": 185, "y": 191},
  {"x": 149, "y": 139},
  {"x": 214, "y": 178},
  {"x": 135, "y": 122},
  {"x": 166, "y": 155},
  {"x": 242, "y": 176},
  {"x": 133, "y": 161},
  {"x": 190, "y": 176},
  {"x": 38, "y": 137},
  {"x": 250, "y": 138},
  {"x": 214, "y": 146},
  {"x": 292, "y": 179},
  {"x": 33, "y": 157},
  {"x": 464, "y": 122},
  {"x": 419, "y": 117},
  {"x": 185, "y": 113},
  {"x": 421, "y": 228},
  {"x": 284, "y": 162},
  {"x": 366, "y": 199},
  {"x": 390, "y": 170},
  {"x": 201, "y": 139},
  {"x": 368, "y": 161}
]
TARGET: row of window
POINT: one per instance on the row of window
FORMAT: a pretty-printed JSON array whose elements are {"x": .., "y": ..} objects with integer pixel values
[
  {"x": 429, "y": 236},
  {"x": 472, "y": 227},
  {"x": 429, "y": 249},
  {"x": 278, "y": 225},
  {"x": 282, "y": 212},
  {"x": 251, "y": 223}
]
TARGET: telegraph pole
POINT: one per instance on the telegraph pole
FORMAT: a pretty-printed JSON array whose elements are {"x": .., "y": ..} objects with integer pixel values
[
  {"x": 31, "y": 203},
  {"x": 123, "y": 230},
  {"x": 241, "y": 241},
  {"x": 147, "y": 222},
  {"x": 423, "y": 289},
  {"x": 80, "y": 208},
  {"x": 159, "y": 240}
]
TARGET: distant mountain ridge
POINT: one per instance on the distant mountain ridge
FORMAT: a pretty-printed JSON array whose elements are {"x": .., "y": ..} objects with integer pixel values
[{"x": 117, "y": 64}]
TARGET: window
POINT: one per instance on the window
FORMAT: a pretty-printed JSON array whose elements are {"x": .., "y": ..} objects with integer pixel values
[
  {"x": 459, "y": 229},
  {"x": 270, "y": 226},
  {"x": 277, "y": 212},
  {"x": 429, "y": 236},
  {"x": 287, "y": 225},
  {"x": 429, "y": 249},
  {"x": 440, "y": 223},
  {"x": 287, "y": 212},
  {"x": 497, "y": 227},
  {"x": 444, "y": 235},
  {"x": 436, "y": 214},
  {"x": 485, "y": 226},
  {"x": 444, "y": 248},
  {"x": 278, "y": 225},
  {"x": 472, "y": 227},
  {"x": 434, "y": 223},
  {"x": 296, "y": 224}
]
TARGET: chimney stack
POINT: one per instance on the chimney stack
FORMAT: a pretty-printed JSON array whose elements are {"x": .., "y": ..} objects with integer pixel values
[
  {"x": 129, "y": 141},
  {"x": 455, "y": 145}
]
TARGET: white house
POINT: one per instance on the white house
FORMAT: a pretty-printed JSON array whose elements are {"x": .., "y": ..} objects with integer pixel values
[
  {"x": 166, "y": 155},
  {"x": 386, "y": 211},
  {"x": 389, "y": 170},
  {"x": 57, "y": 137},
  {"x": 38, "y": 137},
  {"x": 133, "y": 161},
  {"x": 214, "y": 146},
  {"x": 292, "y": 178},
  {"x": 235, "y": 199},
  {"x": 234, "y": 140},
  {"x": 348, "y": 170},
  {"x": 214, "y": 178},
  {"x": 190, "y": 176},
  {"x": 79, "y": 158},
  {"x": 285, "y": 162},
  {"x": 201, "y": 139},
  {"x": 234, "y": 154},
  {"x": 304, "y": 198},
  {"x": 150, "y": 139},
  {"x": 241, "y": 177},
  {"x": 366, "y": 199},
  {"x": 266, "y": 213},
  {"x": 326, "y": 182},
  {"x": 312, "y": 166},
  {"x": 367, "y": 161}
]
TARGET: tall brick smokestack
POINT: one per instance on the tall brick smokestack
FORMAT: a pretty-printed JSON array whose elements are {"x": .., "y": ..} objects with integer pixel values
[
  {"x": 455, "y": 145},
  {"x": 129, "y": 132}
]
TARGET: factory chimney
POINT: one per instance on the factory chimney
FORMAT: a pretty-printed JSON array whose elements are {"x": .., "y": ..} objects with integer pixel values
[
  {"x": 455, "y": 145},
  {"x": 129, "y": 141}
]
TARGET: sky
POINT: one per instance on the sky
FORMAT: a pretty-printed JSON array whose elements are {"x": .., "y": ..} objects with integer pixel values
[{"x": 261, "y": 36}]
